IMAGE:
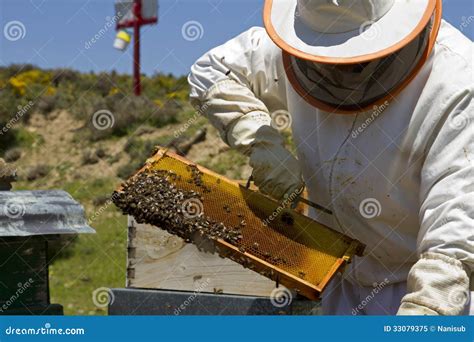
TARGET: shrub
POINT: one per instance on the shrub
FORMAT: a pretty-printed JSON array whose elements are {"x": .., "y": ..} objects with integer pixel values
[
  {"x": 9, "y": 106},
  {"x": 12, "y": 155},
  {"x": 89, "y": 157},
  {"x": 139, "y": 150},
  {"x": 164, "y": 98},
  {"x": 61, "y": 76},
  {"x": 93, "y": 156},
  {"x": 38, "y": 171},
  {"x": 128, "y": 113},
  {"x": 27, "y": 80},
  {"x": 46, "y": 104},
  {"x": 15, "y": 69}
]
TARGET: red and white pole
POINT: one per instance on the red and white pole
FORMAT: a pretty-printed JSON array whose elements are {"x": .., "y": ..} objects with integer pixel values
[{"x": 136, "y": 22}]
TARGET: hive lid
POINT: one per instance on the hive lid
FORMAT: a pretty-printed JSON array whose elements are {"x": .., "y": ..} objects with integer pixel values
[{"x": 41, "y": 212}]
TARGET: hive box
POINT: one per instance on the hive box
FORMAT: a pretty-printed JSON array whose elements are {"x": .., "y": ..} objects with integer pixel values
[
  {"x": 29, "y": 222},
  {"x": 159, "y": 260}
]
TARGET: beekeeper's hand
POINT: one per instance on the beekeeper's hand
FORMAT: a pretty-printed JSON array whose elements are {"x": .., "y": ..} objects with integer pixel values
[
  {"x": 276, "y": 171},
  {"x": 436, "y": 285}
]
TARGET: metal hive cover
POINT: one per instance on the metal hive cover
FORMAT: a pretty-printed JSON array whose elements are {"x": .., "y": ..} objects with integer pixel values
[{"x": 42, "y": 212}]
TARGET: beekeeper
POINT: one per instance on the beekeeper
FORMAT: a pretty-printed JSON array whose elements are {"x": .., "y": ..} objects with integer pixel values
[{"x": 380, "y": 96}]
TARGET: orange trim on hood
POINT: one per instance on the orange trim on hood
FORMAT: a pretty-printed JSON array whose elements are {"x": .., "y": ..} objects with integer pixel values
[
  {"x": 331, "y": 109},
  {"x": 432, "y": 6}
]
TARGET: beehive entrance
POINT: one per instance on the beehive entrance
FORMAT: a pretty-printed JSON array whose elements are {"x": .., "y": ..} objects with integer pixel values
[{"x": 246, "y": 226}]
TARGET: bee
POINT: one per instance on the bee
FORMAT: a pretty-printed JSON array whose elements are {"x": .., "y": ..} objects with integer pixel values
[{"x": 287, "y": 219}]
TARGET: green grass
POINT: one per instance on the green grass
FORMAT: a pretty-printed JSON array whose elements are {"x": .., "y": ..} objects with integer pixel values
[
  {"x": 85, "y": 190},
  {"x": 96, "y": 261},
  {"x": 27, "y": 139},
  {"x": 20, "y": 137},
  {"x": 64, "y": 168}
]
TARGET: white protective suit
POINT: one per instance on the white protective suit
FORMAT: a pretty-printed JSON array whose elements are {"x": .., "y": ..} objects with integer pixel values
[{"x": 399, "y": 178}]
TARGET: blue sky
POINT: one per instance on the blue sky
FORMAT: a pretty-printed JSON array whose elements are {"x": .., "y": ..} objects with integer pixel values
[{"x": 56, "y": 32}]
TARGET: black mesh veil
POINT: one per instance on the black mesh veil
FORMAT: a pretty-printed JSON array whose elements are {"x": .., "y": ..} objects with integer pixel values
[{"x": 354, "y": 86}]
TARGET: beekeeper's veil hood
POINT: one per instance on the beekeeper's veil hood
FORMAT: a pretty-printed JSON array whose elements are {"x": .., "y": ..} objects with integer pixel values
[{"x": 348, "y": 55}]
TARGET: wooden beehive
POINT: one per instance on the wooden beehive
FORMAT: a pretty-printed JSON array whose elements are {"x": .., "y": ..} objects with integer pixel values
[{"x": 159, "y": 260}]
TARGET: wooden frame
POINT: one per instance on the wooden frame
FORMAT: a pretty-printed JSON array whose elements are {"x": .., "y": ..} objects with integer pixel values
[{"x": 271, "y": 271}]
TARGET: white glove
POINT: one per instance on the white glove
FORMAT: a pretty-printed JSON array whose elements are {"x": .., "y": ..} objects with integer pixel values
[
  {"x": 436, "y": 285},
  {"x": 276, "y": 171}
]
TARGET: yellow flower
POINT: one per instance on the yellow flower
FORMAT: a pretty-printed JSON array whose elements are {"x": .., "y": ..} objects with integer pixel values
[
  {"x": 114, "y": 91},
  {"x": 177, "y": 95},
  {"x": 172, "y": 95},
  {"x": 18, "y": 86},
  {"x": 21, "y": 81},
  {"x": 50, "y": 91}
]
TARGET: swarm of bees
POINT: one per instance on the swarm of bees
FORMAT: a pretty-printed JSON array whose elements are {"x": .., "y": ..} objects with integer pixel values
[{"x": 152, "y": 197}]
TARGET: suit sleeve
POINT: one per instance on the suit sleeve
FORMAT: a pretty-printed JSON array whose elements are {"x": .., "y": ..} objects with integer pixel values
[
  {"x": 245, "y": 75},
  {"x": 439, "y": 282},
  {"x": 447, "y": 184}
]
